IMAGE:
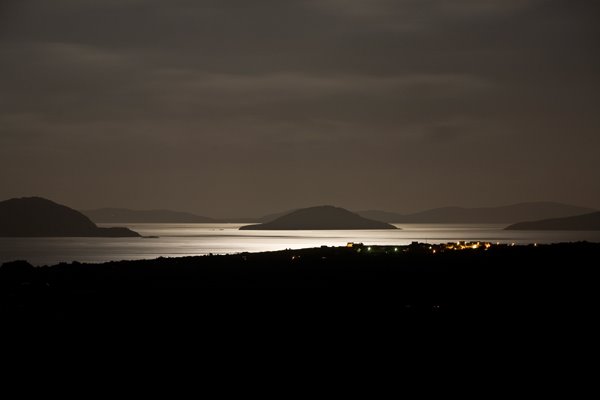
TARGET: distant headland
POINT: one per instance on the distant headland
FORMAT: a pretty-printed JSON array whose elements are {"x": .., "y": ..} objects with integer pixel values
[
  {"x": 586, "y": 222},
  {"x": 114, "y": 215},
  {"x": 39, "y": 217},
  {"x": 320, "y": 218},
  {"x": 510, "y": 214}
]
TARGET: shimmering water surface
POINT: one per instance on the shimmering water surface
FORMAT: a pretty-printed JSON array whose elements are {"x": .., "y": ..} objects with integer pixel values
[{"x": 177, "y": 240}]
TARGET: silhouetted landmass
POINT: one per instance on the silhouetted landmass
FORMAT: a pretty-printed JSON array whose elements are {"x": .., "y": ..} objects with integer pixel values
[
  {"x": 586, "y": 222},
  {"x": 320, "y": 218},
  {"x": 508, "y": 214},
  {"x": 121, "y": 215},
  {"x": 384, "y": 216},
  {"x": 112, "y": 215},
  {"x": 273, "y": 216},
  {"x": 459, "y": 215},
  {"x": 378, "y": 282},
  {"x": 256, "y": 220},
  {"x": 38, "y": 217}
]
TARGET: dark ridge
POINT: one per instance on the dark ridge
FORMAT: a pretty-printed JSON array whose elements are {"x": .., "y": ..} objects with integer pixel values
[
  {"x": 383, "y": 216},
  {"x": 39, "y": 217},
  {"x": 320, "y": 218},
  {"x": 586, "y": 222},
  {"x": 256, "y": 220},
  {"x": 116, "y": 215},
  {"x": 504, "y": 214}
]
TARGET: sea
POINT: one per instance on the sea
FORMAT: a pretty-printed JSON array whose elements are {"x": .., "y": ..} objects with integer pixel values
[{"x": 179, "y": 240}]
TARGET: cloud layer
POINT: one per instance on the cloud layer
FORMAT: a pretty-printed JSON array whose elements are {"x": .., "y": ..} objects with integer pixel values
[{"x": 237, "y": 107}]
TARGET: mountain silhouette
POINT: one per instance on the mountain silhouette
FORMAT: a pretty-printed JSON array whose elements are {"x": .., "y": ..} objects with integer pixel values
[
  {"x": 320, "y": 218},
  {"x": 112, "y": 215},
  {"x": 586, "y": 222},
  {"x": 504, "y": 214},
  {"x": 255, "y": 220},
  {"x": 39, "y": 217}
]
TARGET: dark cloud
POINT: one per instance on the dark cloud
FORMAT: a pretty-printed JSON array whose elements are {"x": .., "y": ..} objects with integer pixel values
[{"x": 226, "y": 107}]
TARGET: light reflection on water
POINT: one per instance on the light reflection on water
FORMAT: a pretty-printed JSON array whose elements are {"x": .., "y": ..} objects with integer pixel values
[{"x": 177, "y": 240}]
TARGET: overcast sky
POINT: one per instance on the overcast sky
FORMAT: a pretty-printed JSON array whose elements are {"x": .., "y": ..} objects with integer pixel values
[{"x": 231, "y": 108}]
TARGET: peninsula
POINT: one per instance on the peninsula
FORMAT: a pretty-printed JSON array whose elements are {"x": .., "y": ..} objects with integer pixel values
[
  {"x": 585, "y": 222},
  {"x": 39, "y": 217}
]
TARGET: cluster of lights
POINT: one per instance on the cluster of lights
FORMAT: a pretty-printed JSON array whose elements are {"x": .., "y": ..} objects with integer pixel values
[
  {"x": 432, "y": 248},
  {"x": 468, "y": 245}
]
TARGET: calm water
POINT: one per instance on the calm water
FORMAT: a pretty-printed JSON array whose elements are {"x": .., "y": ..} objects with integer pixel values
[{"x": 176, "y": 240}]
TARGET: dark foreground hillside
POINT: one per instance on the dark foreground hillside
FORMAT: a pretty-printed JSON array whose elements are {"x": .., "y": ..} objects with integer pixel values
[{"x": 359, "y": 282}]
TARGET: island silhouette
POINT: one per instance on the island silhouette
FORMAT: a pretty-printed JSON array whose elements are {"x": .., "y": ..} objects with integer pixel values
[
  {"x": 39, "y": 217},
  {"x": 586, "y": 222},
  {"x": 320, "y": 218}
]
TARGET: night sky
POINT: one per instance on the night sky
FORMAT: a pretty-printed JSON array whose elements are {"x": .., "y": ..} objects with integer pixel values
[{"x": 241, "y": 108}]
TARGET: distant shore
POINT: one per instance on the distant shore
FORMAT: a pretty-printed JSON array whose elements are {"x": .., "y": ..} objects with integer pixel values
[{"x": 453, "y": 277}]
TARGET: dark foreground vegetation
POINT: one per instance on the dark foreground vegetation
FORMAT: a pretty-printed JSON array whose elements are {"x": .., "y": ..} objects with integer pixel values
[{"x": 358, "y": 282}]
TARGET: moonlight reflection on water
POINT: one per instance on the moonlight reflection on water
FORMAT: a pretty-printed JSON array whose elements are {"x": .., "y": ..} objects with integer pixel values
[{"x": 179, "y": 240}]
